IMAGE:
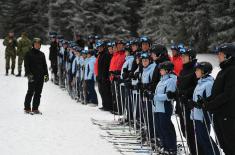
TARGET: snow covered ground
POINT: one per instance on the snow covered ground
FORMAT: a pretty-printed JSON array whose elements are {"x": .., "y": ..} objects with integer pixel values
[{"x": 65, "y": 126}]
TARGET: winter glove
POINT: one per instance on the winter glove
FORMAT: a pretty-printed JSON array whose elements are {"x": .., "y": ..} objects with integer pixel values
[
  {"x": 30, "y": 78},
  {"x": 202, "y": 102},
  {"x": 171, "y": 95},
  {"x": 148, "y": 94},
  {"x": 46, "y": 78},
  {"x": 136, "y": 75}
]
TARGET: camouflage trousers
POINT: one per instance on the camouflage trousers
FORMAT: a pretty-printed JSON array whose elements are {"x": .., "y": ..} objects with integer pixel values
[
  {"x": 20, "y": 62},
  {"x": 10, "y": 58}
]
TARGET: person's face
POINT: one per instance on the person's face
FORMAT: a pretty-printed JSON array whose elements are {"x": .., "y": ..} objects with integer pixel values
[
  {"x": 37, "y": 45},
  {"x": 100, "y": 49},
  {"x": 174, "y": 53},
  {"x": 163, "y": 72},
  {"x": 78, "y": 54},
  {"x": 65, "y": 45},
  {"x": 84, "y": 56},
  {"x": 221, "y": 56},
  {"x": 145, "y": 46},
  {"x": 127, "y": 53},
  {"x": 134, "y": 47},
  {"x": 120, "y": 47},
  {"x": 199, "y": 73},
  {"x": 110, "y": 50},
  {"x": 154, "y": 56},
  {"x": 11, "y": 34},
  {"x": 88, "y": 55},
  {"x": 115, "y": 49},
  {"x": 185, "y": 59},
  {"x": 145, "y": 62},
  {"x": 53, "y": 39}
]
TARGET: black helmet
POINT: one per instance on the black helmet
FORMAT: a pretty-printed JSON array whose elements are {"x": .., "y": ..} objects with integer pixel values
[
  {"x": 228, "y": 49},
  {"x": 145, "y": 39},
  {"x": 206, "y": 67},
  {"x": 120, "y": 41},
  {"x": 145, "y": 55},
  {"x": 159, "y": 49},
  {"x": 134, "y": 42},
  {"x": 167, "y": 65},
  {"x": 190, "y": 52}
]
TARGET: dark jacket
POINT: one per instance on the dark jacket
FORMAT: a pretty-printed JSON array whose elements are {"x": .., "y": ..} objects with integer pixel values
[
  {"x": 35, "y": 64},
  {"x": 81, "y": 43},
  {"x": 156, "y": 73},
  {"x": 186, "y": 84},
  {"x": 222, "y": 100},
  {"x": 103, "y": 66},
  {"x": 53, "y": 52}
]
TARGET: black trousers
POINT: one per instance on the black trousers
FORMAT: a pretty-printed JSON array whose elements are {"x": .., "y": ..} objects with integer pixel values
[
  {"x": 34, "y": 91},
  {"x": 104, "y": 88},
  {"x": 225, "y": 131}
]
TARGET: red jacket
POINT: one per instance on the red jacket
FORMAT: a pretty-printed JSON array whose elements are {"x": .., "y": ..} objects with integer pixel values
[
  {"x": 117, "y": 62},
  {"x": 178, "y": 63},
  {"x": 96, "y": 66}
]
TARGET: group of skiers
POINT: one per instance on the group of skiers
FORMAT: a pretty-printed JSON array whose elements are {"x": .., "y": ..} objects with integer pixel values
[{"x": 140, "y": 80}]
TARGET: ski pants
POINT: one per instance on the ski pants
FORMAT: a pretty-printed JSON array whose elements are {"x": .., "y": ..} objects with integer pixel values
[
  {"x": 91, "y": 93},
  {"x": 204, "y": 139},
  {"x": 34, "y": 91},
  {"x": 165, "y": 128},
  {"x": 104, "y": 88},
  {"x": 225, "y": 130}
]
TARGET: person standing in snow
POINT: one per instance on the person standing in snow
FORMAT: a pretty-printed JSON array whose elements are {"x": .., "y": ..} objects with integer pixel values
[
  {"x": 37, "y": 73},
  {"x": 24, "y": 45},
  {"x": 221, "y": 103},
  {"x": 10, "y": 53}
]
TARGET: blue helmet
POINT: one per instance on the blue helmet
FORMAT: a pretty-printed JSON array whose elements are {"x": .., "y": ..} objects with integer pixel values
[
  {"x": 145, "y": 55},
  {"x": 99, "y": 43},
  {"x": 145, "y": 39}
]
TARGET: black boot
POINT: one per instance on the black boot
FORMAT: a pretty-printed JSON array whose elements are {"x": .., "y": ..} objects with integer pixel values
[
  {"x": 12, "y": 72},
  {"x": 19, "y": 74},
  {"x": 6, "y": 72}
]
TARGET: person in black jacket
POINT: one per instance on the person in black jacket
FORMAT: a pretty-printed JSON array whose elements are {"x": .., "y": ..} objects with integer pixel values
[
  {"x": 186, "y": 84},
  {"x": 37, "y": 72},
  {"x": 222, "y": 100},
  {"x": 104, "y": 85},
  {"x": 53, "y": 57}
]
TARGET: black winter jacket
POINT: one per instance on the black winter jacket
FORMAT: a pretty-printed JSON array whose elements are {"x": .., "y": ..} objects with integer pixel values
[
  {"x": 222, "y": 100},
  {"x": 35, "y": 64}
]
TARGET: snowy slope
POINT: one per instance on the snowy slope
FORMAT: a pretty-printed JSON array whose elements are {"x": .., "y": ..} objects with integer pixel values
[{"x": 64, "y": 127}]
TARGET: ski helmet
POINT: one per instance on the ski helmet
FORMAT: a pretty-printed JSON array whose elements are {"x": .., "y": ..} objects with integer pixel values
[
  {"x": 158, "y": 49},
  {"x": 99, "y": 43},
  {"x": 145, "y": 55},
  {"x": 228, "y": 49},
  {"x": 145, "y": 39},
  {"x": 190, "y": 52},
  {"x": 206, "y": 67},
  {"x": 167, "y": 65}
]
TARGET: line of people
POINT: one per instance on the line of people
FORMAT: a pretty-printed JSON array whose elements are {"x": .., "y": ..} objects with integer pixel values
[{"x": 142, "y": 82}]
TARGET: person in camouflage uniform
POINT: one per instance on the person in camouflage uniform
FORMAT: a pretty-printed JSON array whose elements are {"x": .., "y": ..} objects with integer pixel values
[
  {"x": 10, "y": 52},
  {"x": 24, "y": 45}
]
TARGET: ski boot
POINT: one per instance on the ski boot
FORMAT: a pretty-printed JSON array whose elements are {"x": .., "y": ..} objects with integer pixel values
[
  {"x": 19, "y": 74},
  {"x": 37, "y": 112}
]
